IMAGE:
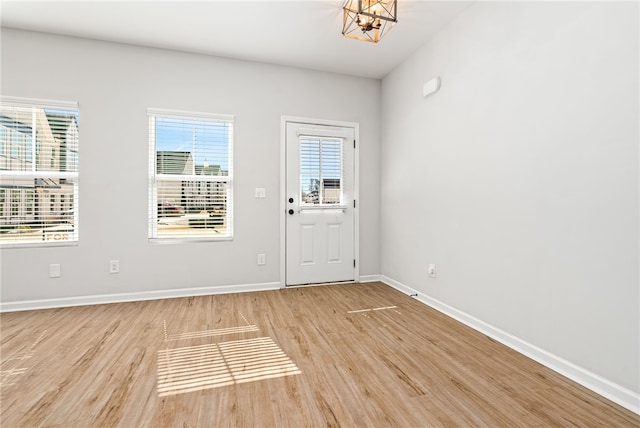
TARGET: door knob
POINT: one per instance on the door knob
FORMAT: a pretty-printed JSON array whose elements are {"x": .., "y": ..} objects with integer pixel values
[
  {"x": 290, "y": 200},
  {"x": 291, "y": 212}
]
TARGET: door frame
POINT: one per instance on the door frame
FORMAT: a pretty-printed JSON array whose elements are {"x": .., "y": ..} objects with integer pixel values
[{"x": 283, "y": 188}]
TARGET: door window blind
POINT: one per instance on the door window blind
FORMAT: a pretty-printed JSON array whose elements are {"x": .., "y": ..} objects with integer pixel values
[
  {"x": 320, "y": 171},
  {"x": 39, "y": 158},
  {"x": 191, "y": 173}
]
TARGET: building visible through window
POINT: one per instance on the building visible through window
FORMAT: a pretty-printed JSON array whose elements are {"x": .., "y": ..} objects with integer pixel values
[{"x": 38, "y": 172}]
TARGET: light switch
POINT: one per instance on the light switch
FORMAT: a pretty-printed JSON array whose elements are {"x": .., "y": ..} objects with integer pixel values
[
  {"x": 54, "y": 270},
  {"x": 432, "y": 270}
]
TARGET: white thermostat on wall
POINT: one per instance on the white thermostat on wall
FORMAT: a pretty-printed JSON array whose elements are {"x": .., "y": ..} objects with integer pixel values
[{"x": 431, "y": 87}]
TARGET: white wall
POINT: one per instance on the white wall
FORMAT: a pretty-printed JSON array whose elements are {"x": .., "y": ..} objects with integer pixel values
[
  {"x": 114, "y": 85},
  {"x": 519, "y": 179}
]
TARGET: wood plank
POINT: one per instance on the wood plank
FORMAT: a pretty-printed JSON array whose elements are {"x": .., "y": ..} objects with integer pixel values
[{"x": 368, "y": 355}]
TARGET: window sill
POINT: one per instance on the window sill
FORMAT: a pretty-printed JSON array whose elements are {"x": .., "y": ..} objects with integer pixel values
[
  {"x": 39, "y": 244},
  {"x": 186, "y": 240}
]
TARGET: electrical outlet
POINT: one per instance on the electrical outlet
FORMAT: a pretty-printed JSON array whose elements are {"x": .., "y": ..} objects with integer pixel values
[
  {"x": 432, "y": 270},
  {"x": 54, "y": 270},
  {"x": 261, "y": 192},
  {"x": 114, "y": 266},
  {"x": 262, "y": 259}
]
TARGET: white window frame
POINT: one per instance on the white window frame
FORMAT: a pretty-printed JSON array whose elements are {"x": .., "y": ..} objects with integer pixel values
[
  {"x": 48, "y": 239},
  {"x": 154, "y": 176}
]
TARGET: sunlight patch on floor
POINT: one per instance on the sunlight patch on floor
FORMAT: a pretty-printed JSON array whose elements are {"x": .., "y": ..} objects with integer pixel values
[
  {"x": 212, "y": 333},
  {"x": 195, "y": 368},
  {"x": 382, "y": 308},
  {"x": 9, "y": 376}
]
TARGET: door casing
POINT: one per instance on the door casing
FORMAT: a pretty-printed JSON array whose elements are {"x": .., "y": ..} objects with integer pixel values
[{"x": 283, "y": 190}]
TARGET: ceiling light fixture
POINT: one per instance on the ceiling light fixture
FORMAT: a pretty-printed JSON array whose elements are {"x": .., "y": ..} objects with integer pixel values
[{"x": 369, "y": 20}]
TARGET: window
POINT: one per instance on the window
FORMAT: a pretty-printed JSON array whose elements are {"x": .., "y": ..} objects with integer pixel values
[
  {"x": 15, "y": 203},
  {"x": 16, "y": 141},
  {"x": 33, "y": 181},
  {"x": 190, "y": 169},
  {"x": 29, "y": 198},
  {"x": 320, "y": 171}
]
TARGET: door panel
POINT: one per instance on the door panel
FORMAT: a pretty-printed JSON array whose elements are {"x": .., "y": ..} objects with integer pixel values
[
  {"x": 320, "y": 214},
  {"x": 307, "y": 244},
  {"x": 334, "y": 243}
]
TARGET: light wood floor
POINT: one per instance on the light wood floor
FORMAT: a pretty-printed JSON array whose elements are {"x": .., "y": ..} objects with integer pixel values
[{"x": 304, "y": 357}]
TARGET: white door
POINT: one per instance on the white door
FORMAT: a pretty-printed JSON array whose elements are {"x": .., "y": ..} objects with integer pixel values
[{"x": 319, "y": 204}]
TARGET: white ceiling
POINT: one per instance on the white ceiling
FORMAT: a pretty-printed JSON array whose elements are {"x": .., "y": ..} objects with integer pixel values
[{"x": 303, "y": 33}]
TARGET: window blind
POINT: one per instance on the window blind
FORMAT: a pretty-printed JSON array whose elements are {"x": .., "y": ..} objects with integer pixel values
[
  {"x": 191, "y": 172},
  {"x": 320, "y": 171},
  {"x": 39, "y": 159}
]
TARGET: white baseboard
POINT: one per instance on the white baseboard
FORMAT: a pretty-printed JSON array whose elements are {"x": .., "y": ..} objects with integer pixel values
[
  {"x": 132, "y": 297},
  {"x": 369, "y": 278},
  {"x": 612, "y": 391}
]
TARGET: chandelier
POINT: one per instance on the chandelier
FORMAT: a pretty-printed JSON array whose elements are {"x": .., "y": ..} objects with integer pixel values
[{"x": 368, "y": 20}]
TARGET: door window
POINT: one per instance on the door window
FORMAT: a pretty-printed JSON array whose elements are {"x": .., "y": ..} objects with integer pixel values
[{"x": 320, "y": 171}]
